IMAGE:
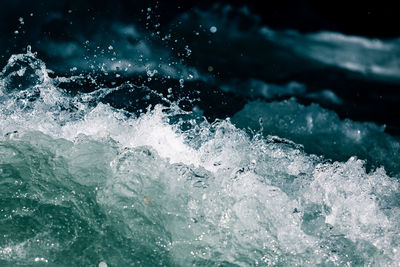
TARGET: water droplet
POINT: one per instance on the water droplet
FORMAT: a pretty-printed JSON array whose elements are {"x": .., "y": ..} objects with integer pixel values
[
  {"x": 188, "y": 51},
  {"x": 213, "y": 29},
  {"x": 151, "y": 73}
]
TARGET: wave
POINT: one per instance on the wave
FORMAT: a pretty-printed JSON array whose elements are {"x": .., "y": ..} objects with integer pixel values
[
  {"x": 322, "y": 132},
  {"x": 83, "y": 183}
]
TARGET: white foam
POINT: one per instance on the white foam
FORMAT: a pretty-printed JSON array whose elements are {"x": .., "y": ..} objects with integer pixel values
[{"x": 212, "y": 192}]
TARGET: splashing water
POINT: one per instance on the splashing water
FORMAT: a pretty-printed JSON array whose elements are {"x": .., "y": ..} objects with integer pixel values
[{"x": 83, "y": 183}]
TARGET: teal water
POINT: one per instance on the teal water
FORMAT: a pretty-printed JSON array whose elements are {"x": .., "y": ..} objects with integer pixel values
[{"x": 84, "y": 184}]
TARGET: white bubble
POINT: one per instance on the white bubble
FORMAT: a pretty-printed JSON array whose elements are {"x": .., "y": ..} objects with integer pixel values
[
  {"x": 103, "y": 264},
  {"x": 213, "y": 29}
]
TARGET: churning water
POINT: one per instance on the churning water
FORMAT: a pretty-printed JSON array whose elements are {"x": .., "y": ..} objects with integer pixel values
[
  {"x": 83, "y": 183},
  {"x": 87, "y": 183}
]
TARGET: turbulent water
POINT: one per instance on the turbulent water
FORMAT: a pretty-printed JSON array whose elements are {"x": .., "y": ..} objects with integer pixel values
[
  {"x": 86, "y": 181},
  {"x": 83, "y": 183}
]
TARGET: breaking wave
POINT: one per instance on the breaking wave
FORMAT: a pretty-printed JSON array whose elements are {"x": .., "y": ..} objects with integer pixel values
[{"x": 86, "y": 183}]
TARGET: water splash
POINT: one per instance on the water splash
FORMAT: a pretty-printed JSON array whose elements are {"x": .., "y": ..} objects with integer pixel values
[{"x": 83, "y": 183}]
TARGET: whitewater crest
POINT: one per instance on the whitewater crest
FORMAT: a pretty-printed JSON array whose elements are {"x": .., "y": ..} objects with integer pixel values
[{"x": 84, "y": 183}]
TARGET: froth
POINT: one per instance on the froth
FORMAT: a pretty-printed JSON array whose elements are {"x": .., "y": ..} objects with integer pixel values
[{"x": 200, "y": 194}]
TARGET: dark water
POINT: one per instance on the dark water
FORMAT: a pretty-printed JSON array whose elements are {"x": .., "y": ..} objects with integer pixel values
[{"x": 204, "y": 139}]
